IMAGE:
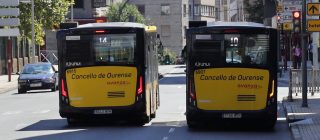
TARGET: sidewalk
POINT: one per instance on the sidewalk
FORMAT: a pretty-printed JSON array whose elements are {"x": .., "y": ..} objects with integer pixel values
[
  {"x": 304, "y": 122},
  {"x": 7, "y": 86}
]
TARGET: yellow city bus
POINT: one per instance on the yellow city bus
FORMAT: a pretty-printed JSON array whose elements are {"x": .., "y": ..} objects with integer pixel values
[
  {"x": 231, "y": 73},
  {"x": 108, "y": 71}
]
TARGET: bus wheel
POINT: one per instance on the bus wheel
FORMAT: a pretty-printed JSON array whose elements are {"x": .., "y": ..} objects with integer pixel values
[
  {"x": 192, "y": 125},
  {"x": 72, "y": 121},
  {"x": 20, "y": 91},
  {"x": 269, "y": 125},
  {"x": 153, "y": 115}
]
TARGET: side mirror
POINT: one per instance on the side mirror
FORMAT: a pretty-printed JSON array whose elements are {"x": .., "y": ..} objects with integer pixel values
[{"x": 158, "y": 36}]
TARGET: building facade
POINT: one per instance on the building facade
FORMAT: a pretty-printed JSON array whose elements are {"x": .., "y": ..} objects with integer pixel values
[{"x": 170, "y": 17}]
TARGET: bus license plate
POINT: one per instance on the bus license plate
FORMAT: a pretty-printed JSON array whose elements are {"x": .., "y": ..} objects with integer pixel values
[
  {"x": 232, "y": 115},
  {"x": 102, "y": 111}
]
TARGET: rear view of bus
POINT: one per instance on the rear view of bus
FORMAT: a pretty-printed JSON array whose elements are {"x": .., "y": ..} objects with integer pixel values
[
  {"x": 232, "y": 73},
  {"x": 102, "y": 72}
]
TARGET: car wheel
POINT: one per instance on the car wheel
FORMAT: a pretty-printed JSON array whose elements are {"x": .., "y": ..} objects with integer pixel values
[{"x": 54, "y": 89}]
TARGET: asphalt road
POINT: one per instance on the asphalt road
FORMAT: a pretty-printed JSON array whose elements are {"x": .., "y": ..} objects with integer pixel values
[{"x": 35, "y": 116}]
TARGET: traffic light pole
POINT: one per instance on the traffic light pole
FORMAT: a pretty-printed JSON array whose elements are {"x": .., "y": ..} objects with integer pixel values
[{"x": 304, "y": 62}]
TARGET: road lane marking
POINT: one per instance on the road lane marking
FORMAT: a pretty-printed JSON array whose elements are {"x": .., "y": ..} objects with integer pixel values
[
  {"x": 11, "y": 112},
  {"x": 171, "y": 130},
  {"x": 41, "y": 112},
  {"x": 165, "y": 138}
]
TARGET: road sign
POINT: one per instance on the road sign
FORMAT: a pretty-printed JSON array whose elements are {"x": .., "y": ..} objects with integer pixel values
[
  {"x": 287, "y": 26},
  {"x": 313, "y": 25},
  {"x": 313, "y": 9},
  {"x": 290, "y": 8},
  {"x": 286, "y": 16},
  {"x": 10, "y": 22},
  {"x": 9, "y": 2},
  {"x": 9, "y": 12},
  {"x": 9, "y": 32}
]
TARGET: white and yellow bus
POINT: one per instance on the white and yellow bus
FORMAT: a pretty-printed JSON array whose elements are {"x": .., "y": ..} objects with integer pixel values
[
  {"x": 108, "y": 71},
  {"x": 231, "y": 73}
]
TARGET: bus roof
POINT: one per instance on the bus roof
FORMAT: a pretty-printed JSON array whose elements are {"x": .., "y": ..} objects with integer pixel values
[
  {"x": 235, "y": 24},
  {"x": 112, "y": 24}
]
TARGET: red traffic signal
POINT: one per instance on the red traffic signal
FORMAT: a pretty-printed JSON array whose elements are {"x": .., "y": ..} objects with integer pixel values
[{"x": 296, "y": 14}]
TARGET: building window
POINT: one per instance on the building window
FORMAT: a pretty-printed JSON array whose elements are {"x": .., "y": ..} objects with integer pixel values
[
  {"x": 196, "y": 10},
  {"x": 190, "y": 10},
  {"x": 165, "y": 9},
  {"x": 165, "y": 30},
  {"x": 141, "y": 9},
  {"x": 78, "y": 4},
  {"x": 184, "y": 10}
]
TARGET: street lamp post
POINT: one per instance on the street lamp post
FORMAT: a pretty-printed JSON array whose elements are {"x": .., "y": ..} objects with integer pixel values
[{"x": 304, "y": 61}]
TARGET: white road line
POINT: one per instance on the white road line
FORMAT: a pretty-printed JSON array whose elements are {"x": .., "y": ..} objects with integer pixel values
[
  {"x": 165, "y": 138},
  {"x": 171, "y": 130},
  {"x": 41, "y": 112},
  {"x": 11, "y": 112}
]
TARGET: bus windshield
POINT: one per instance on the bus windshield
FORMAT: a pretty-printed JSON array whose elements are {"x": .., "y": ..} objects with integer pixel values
[
  {"x": 114, "y": 48},
  {"x": 108, "y": 48},
  {"x": 229, "y": 49}
]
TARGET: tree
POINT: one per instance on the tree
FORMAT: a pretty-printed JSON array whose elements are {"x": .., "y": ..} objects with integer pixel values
[
  {"x": 48, "y": 14},
  {"x": 254, "y": 8},
  {"x": 128, "y": 11}
]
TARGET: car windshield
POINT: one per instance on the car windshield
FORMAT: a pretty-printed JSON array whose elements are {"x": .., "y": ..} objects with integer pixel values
[{"x": 37, "y": 69}]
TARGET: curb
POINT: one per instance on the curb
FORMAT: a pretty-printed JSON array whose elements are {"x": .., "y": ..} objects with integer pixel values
[{"x": 293, "y": 128}]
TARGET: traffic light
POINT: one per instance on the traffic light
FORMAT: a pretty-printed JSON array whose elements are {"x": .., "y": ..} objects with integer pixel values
[{"x": 296, "y": 21}]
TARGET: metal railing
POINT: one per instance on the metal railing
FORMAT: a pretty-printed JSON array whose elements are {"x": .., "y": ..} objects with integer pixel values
[
  {"x": 49, "y": 56},
  {"x": 295, "y": 82}
]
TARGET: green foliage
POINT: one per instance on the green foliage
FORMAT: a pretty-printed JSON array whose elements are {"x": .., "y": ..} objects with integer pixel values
[
  {"x": 168, "y": 54},
  {"x": 128, "y": 10},
  {"x": 48, "y": 15},
  {"x": 255, "y": 10}
]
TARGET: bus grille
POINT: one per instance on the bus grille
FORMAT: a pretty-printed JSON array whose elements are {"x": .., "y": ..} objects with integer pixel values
[
  {"x": 116, "y": 94},
  {"x": 246, "y": 97}
]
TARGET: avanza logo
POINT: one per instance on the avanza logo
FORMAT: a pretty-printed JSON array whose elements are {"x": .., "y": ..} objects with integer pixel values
[
  {"x": 69, "y": 64},
  {"x": 202, "y": 64}
]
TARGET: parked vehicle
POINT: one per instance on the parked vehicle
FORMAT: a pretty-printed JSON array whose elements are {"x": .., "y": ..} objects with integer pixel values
[{"x": 38, "y": 76}]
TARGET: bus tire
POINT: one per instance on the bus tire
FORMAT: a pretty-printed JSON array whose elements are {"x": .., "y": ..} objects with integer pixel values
[
  {"x": 153, "y": 115},
  {"x": 20, "y": 91},
  {"x": 72, "y": 121},
  {"x": 192, "y": 125},
  {"x": 269, "y": 125}
]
